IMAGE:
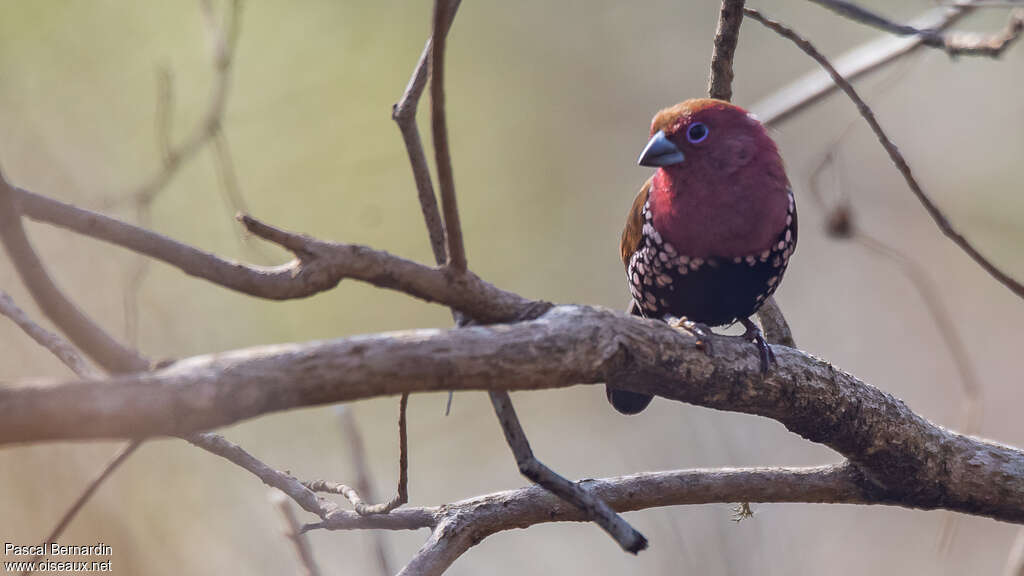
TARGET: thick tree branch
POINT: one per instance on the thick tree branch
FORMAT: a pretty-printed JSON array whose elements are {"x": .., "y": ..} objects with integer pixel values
[{"x": 877, "y": 432}]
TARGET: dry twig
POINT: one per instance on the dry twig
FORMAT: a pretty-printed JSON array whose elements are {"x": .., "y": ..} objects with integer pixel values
[
  {"x": 364, "y": 481},
  {"x": 797, "y": 96},
  {"x": 954, "y": 44},
  {"x": 894, "y": 154},
  {"x": 293, "y": 532}
]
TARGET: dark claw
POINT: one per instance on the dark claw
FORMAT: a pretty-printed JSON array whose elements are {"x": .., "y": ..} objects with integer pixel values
[{"x": 754, "y": 334}]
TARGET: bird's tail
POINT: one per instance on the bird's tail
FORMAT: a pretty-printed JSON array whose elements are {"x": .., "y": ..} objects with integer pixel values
[{"x": 625, "y": 401}]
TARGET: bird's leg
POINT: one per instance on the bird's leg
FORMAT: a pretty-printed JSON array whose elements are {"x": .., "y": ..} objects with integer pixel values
[
  {"x": 701, "y": 332},
  {"x": 754, "y": 334}
]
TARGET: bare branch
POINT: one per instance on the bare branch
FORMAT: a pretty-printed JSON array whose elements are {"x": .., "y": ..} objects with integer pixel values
[
  {"x": 894, "y": 154},
  {"x": 293, "y": 532},
  {"x": 567, "y": 345},
  {"x": 460, "y": 525},
  {"x": 364, "y": 482},
  {"x": 992, "y": 45},
  {"x": 404, "y": 114},
  {"x": 57, "y": 345},
  {"x": 953, "y": 44},
  {"x": 304, "y": 497},
  {"x": 352, "y": 495},
  {"x": 79, "y": 328},
  {"x": 119, "y": 457},
  {"x": 443, "y": 13},
  {"x": 319, "y": 265},
  {"x": 776, "y": 329},
  {"x": 593, "y": 508},
  {"x": 813, "y": 87},
  {"x": 726, "y": 37}
]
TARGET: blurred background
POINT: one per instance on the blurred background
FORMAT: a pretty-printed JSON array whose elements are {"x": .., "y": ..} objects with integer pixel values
[{"x": 549, "y": 105}]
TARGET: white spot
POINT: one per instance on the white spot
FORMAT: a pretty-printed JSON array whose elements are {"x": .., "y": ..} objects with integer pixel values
[
  {"x": 737, "y": 260},
  {"x": 789, "y": 221},
  {"x": 773, "y": 280},
  {"x": 664, "y": 279},
  {"x": 663, "y": 256},
  {"x": 789, "y": 235},
  {"x": 636, "y": 278},
  {"x": 669, "y": 249},
  {"x": 750, "y": 260},
  {"x": 781, "y": 245}
]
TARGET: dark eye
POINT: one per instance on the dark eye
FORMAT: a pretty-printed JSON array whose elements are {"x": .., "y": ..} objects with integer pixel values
[{"x": 697, "y": 132}]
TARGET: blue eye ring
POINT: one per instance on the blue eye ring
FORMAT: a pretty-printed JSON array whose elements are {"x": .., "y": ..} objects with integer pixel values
[{"x": 697, "y": 132}]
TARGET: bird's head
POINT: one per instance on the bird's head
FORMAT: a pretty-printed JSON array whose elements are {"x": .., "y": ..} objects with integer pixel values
[
  {"x": 704, "y": 135},
  {"x": 721, "y": 188}
]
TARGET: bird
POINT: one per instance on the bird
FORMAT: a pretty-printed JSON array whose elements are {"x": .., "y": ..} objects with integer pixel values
[{"x": 710, "y": 234}]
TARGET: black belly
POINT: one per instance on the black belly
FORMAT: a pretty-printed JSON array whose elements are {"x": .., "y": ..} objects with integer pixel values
[
  {"x": 712, "y": 291},
  {"x": 715, "y": 293}
]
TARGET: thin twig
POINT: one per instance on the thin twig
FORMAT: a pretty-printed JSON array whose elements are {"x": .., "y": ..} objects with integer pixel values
[
  {"x": 954, "y": 44},
  {"x": 79, "y": 328},
  {"x": 726, "y": 37},
  {"x": 364, "y": 482},
  {"x": 894, "y": 154},
  {"x": 293, "y": 532},
  {"x": 67, "y": 354},
  {"x": 592, "y": 507},
  {"x": 223, "y": 38},
  {"x": 296, "y": 490},
  {"x": 119, "y": 457},
  {"x": 404, "y": 114},
  {"x": 862, "y": 60},
  {"x": 233, "y": 196},
  {"x": 442, "y": 153},
  {"x": 57, "y": 345},
  {"x": 318, "y": 265},
  {"x": 352, "y": 495}
]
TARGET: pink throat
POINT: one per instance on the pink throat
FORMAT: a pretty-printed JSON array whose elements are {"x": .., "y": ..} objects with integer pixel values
[{"x": 705, "y": 214}]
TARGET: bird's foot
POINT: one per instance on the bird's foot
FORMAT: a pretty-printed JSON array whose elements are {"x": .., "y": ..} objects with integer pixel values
[
  {"x": 701, "y": 332},
  {"x": 754, "y": 334}
]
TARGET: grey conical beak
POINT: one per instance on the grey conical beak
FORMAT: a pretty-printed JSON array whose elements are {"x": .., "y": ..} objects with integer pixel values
[{"x": 660, "y": 151}]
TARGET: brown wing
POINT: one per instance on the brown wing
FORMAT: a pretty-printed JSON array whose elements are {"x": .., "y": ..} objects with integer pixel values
[{"x": 633, "y": 233}]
